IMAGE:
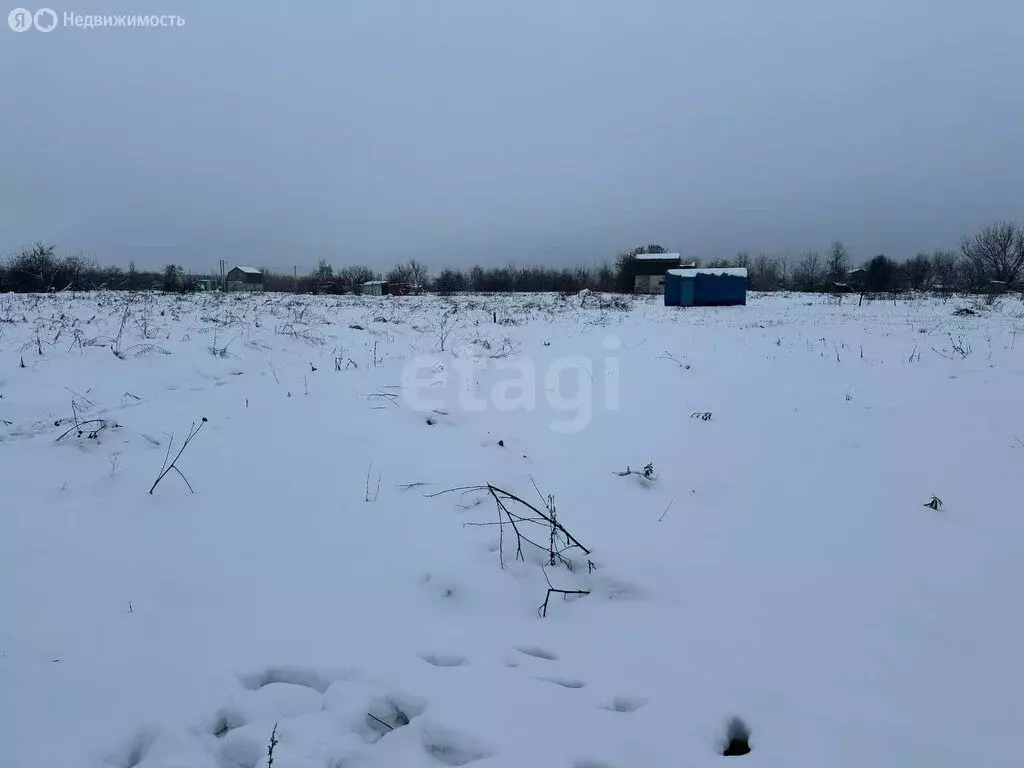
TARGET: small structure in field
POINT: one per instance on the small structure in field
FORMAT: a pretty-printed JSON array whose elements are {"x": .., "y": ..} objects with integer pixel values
[
  {"x": 244, "y": 279},
  {"x": 649, "y": 270},
  {"x": 399, "y": 289},
  {"x": 710, "y": 287},
  {"x": 374, "y": 288}
]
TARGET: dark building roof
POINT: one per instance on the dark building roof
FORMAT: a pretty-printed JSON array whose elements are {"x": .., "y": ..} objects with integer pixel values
[
  {"x": 246, "y": 274},
  {"x": 655, "y": 263}
]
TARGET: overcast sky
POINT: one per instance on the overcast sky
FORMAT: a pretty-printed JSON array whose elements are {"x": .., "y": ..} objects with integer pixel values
[{"x": 483, "y": 131}]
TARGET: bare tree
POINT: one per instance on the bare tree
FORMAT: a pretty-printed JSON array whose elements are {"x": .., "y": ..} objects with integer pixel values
[
  {"x": 412, "y": 272},
  {"x": 808, "y": 273},
  {"x": 837, "y": 263},
  {"x": 996, "y": 253},
  {"x": 918, "y": 272},
  {"x": 418, "y": 273},
  {"x": 766, "y": 274},
  {"x": 944, "y": 270}
]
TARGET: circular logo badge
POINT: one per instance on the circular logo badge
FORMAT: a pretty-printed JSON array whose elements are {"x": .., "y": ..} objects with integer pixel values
[
  {"x": 45, "y": 19},
  {"x": 20, "y": 20}
]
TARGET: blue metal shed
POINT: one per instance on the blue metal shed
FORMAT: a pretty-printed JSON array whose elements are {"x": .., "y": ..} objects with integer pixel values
[{"x": 713, "y": 287}]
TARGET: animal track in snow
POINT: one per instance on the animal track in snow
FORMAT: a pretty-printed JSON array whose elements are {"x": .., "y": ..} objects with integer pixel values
[
  {"x": 389, "y": 713},
  {"x": 443, "y": 588},
  {"x": 538, "y": 653},
  {"x": 444, "y": 660},
  {"x": 563, "y": 681},
  {"x": 304, "y": 676},
  {"x": 242, "y": 748},
  {"x": 626, "y": 704},
  {"x": 134, "y": 751},
  {"x": 451, "y": 747},
  {"x": 226, "y": 720}
]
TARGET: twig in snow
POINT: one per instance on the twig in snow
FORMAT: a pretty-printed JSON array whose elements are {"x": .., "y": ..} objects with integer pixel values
[
  {"x": 543, "y": 609},
  {"x": 373, "y": 717},
  {"x": 80, "y": 426},
  {"x": 165, "y": 467},
  {"x": 646, "y": 474},
  {"x": 410, "y": 486},
  {"x": 666, "y": 510},
  {"x": 669, "y": 356},
  {"x": 505, "y": 501},
  {"x": 367, "y": 497},
  {"x": 388, "y": 396},
  {"x": 274, "y": 741}
]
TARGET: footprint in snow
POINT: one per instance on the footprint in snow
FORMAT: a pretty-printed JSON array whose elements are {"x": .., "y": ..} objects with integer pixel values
[
  {"x": 444, "y": 660},
  {"x": 452, "y": 747},
  {"x": 626, "y": 704},
  {"x": 304, "y": 676},
  {"x": 565, "y": 682},
  {"x": 538, "y": 653}
]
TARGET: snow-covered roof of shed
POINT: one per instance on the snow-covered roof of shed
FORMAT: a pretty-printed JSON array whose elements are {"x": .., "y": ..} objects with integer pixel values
[
  {"x": 657, "y": 257},
  {"x": 376, "y": 282},
  {"x": 734, "y": 271},
  {"x": 249, "y": 270}
]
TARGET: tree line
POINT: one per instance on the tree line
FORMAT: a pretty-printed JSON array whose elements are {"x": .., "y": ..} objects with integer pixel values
[{"x": 990, "y": 260}]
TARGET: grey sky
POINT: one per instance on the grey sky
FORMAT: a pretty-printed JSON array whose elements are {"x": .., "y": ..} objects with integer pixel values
[{"x": 540, "y": 131}]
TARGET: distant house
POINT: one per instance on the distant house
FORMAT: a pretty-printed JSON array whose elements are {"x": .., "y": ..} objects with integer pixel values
[
  {"x": 711, "y": 287},
  {"x": 374, "y": 288},
  {"x": 207, "y": 285},
  {"x": 244, "y": 279},
  {"x": 857, "y": 278},
  {"x": 649, "y": 270}
]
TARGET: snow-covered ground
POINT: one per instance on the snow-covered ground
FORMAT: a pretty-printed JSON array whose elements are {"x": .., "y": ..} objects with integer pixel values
[{"x": 779, "y": 563}]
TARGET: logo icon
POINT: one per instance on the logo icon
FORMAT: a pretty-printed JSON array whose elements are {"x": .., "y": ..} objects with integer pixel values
[
  {"x": 20, "y": 20},
  {"x": 45, "y": 19}
]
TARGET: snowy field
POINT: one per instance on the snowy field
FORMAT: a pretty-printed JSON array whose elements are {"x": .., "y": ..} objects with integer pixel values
[{"x": 770, "y": 553}]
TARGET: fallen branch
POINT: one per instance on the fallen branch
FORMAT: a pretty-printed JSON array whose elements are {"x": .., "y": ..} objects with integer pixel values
[{"x": 504, "y": 501}]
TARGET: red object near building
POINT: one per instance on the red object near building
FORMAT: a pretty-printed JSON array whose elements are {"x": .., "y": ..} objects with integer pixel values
[{"x": 398, "y": 289}]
